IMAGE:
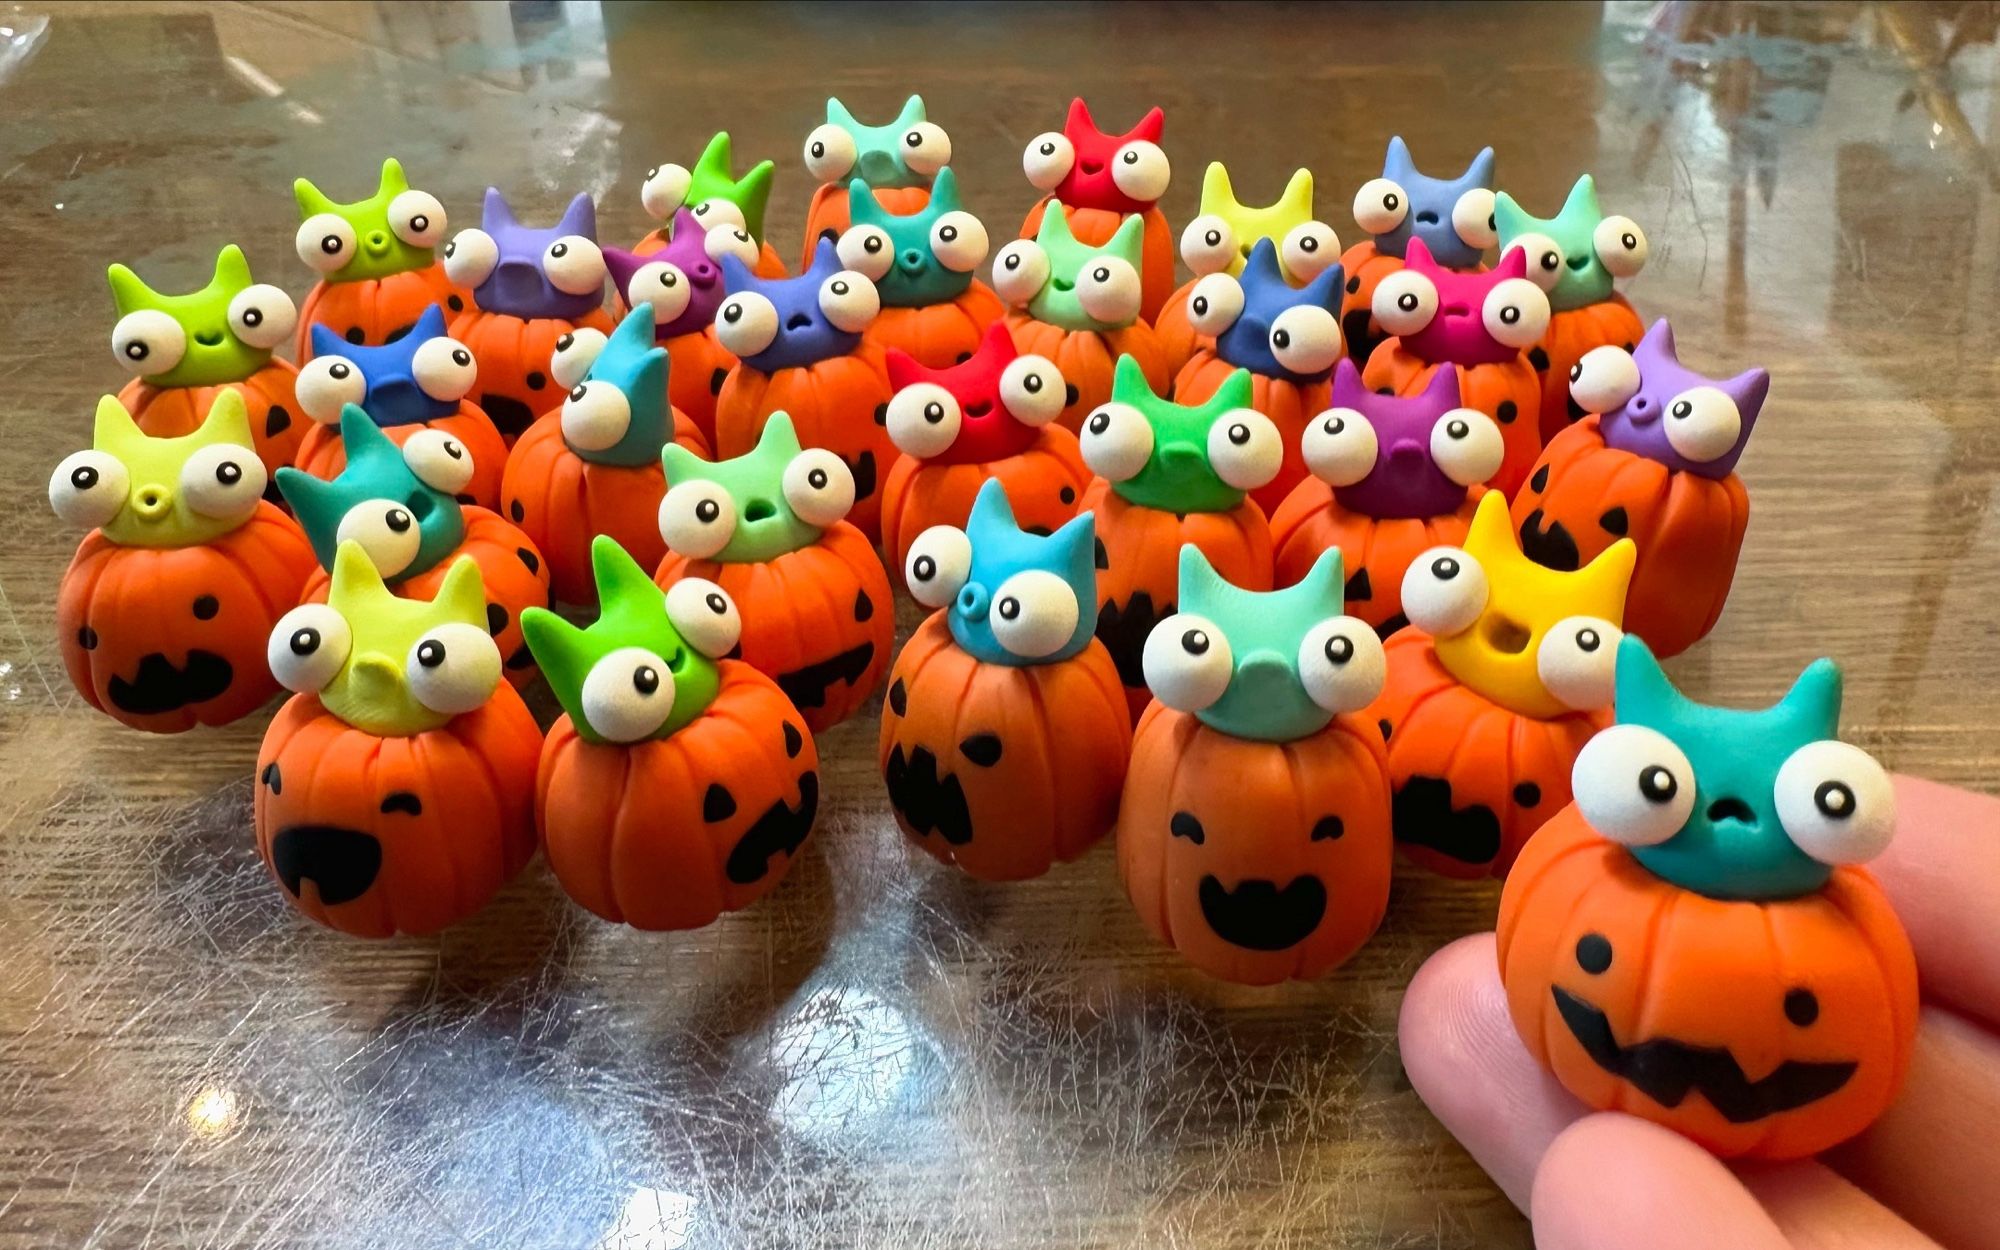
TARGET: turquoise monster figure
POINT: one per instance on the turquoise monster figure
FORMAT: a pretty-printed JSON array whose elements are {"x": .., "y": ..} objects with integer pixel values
[
  {"x": 1272, "y": 666},
  {"x": 396, "y": 502},
  {"x": 1181, "y": 457},
  {"x": 1011, "y": 597},
  {"x": 1729, "y": 803},
  {"x": 1575, "y": 255},
  {"x": 618, "y": 414},
  {"x": 915, "y": 259},
  {"x": 907, "y": 152}
]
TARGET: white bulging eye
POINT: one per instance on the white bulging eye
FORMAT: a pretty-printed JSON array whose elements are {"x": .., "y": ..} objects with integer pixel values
[
  {"x": 1141, "y": 170},
  {"x": 1034, "y": 614},
  {"x": 926, "y": 148},
  {"x": 697, "y": 518},
  {"x": 938, "y": 564},
  {"x": 867, "y": 250},
  {"x": 576, "y": 351},
  {"x": 444, "y": 369},
  {"x": 819, "y": 486},
  {"x": 1305, "y": 338},
  {"x": 1020, "y": 271},
  {"x": 1405, "y": 302},
  {"x": 958, "y": 240},
  {"x": 326, "y": 384},
  {"x": 574, "y": 265},
  {"x": 1620, "y": 245},
  {"x": 664, "y": 190},
  {"x": 1577, "y": 661},
  {"x": 1307, "y": 249},
  {"x": 1702, "y": 424},
  {"x": 595, "y": 416},
  {"x": 470, "y": 258},
  {"x": 849, "y": 301},
  {"x": 746, "y": 324},
  {"x": 1208, "y": 245},
  {"x": 829, "y": 153},
  {"x": 704, "y": 614},
  {"x": 325, "y": 242},
  {"x": 715, "y": 212},
  {"x": 923, "y": 419},
  {"x": 662, "y": 284},
  {"x": 627, "y": 695},
  {"x": 1467, "y": 446},
  {"x": 1604, "y": 379},
  {"x": 1472, "y": 219},
  {"x": 1545, "y": 259},
  {"x": 417, "y": 218},
  {"x": 1032, "y": 390},
  {"x": 1187, "y": 662},
  {"x": 725, "y": 239},
  {"x": 88, "y": 488},
  {"x": 453, "y": 669},
  {"x": 1215, "y": 304},
  {"x": 1515, "y": 313},
  {"x": 440, "y": 461},
  {"x": 148, "y": 342},
  {"x": 307, "y": 648},
  {"x": 1108, "y": 290},
  {"x": 1444, "y": 591},
  {"x": 1117, "y": 441},
  {"x": 1633, "y": 785},
  {"x": 262, "y": 316},
  {"x": 387, "y": 532},
  {"x": 1835, "y": 802},
  {"x": 1342, "y": 665},
  {"x": 1380, "y": 206},
  {"x": 1340, "y": 447},
  {"x": 1048, "y": 160},
  {"x": 223, "y": 481},
  {"x": 1245, "y": 448}
]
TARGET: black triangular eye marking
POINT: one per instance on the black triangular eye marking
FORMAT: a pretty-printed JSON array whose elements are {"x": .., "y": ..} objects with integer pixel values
[{"x": 403, "y": 801}]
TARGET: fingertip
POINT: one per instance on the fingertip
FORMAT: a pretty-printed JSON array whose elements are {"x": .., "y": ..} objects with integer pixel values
[
  {"x": 1610, "y": 1180},
  {"x": 1942, "y": 873}
]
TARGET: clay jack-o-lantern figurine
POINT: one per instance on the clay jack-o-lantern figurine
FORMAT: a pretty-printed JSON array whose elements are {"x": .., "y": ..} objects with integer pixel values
[
  {"x": 1005, "y": 733},
  {"x": 376, "y": 260},
  {"x": 681, "y": 282},
  {"x": 898, "y": 162},
  {"x": 185, "y": 569},
  {"x": 1501, "y": 676},
  {"x": 922, "y": 263},
  {"x": 990, "y": 418},
  {"x": 1451, "y": 217},
  {"x": 418, "y": 382},
  {"x": 399, "y": 506},
  {"x": 183, "y": 350},
  {"x": 1254, "y": 833},
  {"x": 768, "y": 527},
  {"x": 716, "y": 197},
  {"x": 395, "y": 790},
  {"x": 678, "y": 784},
  {"x": 1098, "y": 182},
  {"x": 1656, "y": 465},
  {"x": 1695, "y": 941},
  {"x": 593, "y": 468},
  {"x": 1392, "y": 477}
]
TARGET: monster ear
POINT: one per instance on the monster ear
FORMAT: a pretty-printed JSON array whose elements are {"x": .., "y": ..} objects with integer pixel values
[
  {"x": 1054, "y": 230},
  {"x": 430, "y": 325},
  {"x": 1216, "y": 193},
  {"x": 128, "y": 291},
  {"x": 1128, "y": 240},
  {"x": 232, "y": 269},
  {"x": 1643, "y": 694},
  {"x": 913, "y": 112},
  {"x": 631, "y": 337},
  {"x": 1508, "y": 219},
  {"x": 580, "y": 217},
  {"x": 1442, "y": 390},
  {"x": 325, "y": 342},
  {"x": 494, "y": 213},
  {"x": 1611, "y": 572},
  {"x": 1749, "y": 389},
  {"x": 779, "y": 438},
  {"x": 1348, "y": 389},
  {"x": 1480, "y": 172},
  {"x": 462, "y": 594},
  {"x": 944, "y": 192},
  {"x": 991, "y": 509},
  {"x": 1326, "y": 288},
  {"x": 115, "y": 429},
  {"x": 619, "y": 578},
  {"x": 317, "y": 504},
  {"x": 826, "y": 259},
  {"x": 715, "y": 158},
  {"x": 904, "y": 369},
  {"x": 1326, "y": 581},
  {"x": 310, "y": 199},
  {"x": 1397, "y": 165},
  {"x": 862, "y": 208},
  {"x": 557, "y": 647},
  {"x": 1514, "y": 264},
  {"x": 1076, "y": 553},
  {"x": 1262, "y": 267},
  {"x": 997, "y": 347},
  {"x": 363, "y": 439},
  {"x": 1658, "y": 343},
  {"x": 1581, "y": 206},
  {"x": 227, "y": 421},
  {"x": 1200, "y": 585},
  {"x": 1151, "y": 126},
  {"x": 1237, "y": 391},
  {"x": 1490, "y": 538},
  {"x": 357, "y": 583},
  {"x": 736, "y": 275},
  {"x": 1417, "y": 256},
  {"x": 837, "y": 115},
  {"x": 1814, "y": 699},
  {"x": 681, "y": 464},
  {"x": 1079, "y": 122},
  {"x": 1297, "y": 201},
  {"x": 1129, "y": 384},
  {"x": 393, "y": 181}
]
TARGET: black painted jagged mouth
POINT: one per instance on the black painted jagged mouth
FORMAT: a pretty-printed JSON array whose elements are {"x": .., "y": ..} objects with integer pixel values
[
  {"x": 929, "y": 802},
  {"x": 1422, "y": 814},
  {"x": 1258, "y": 915},
  {"x": 806, "y": 687},
  {"x": 341, "y": 863},
  {"x": 781, "y": 830},
  {"x": 160, "y": 685}
]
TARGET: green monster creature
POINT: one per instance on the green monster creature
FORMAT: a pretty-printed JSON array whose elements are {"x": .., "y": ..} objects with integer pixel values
[
  {"x": 224, "y": 332},
  {"x": 162, "y": 492},
  {"x": 1181, "y": 457},
  {"x": 396, "y": 230}
]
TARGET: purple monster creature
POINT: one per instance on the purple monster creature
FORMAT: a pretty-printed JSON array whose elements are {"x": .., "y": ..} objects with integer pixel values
[{"x": 1655, "y": 407}]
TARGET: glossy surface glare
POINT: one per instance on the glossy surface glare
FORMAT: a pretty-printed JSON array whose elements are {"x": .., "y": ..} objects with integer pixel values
[{"x": 885, "y": 1053}]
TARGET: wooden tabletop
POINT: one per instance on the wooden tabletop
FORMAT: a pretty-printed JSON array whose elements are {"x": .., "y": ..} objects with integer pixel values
[{"x": 885, "y": 1053}]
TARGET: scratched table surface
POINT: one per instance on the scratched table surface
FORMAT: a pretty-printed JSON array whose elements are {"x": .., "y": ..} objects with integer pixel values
[{"x": 883, "y": 1053}]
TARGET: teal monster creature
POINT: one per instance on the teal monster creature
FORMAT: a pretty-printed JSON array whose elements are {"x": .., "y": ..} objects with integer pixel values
[
  {"x": 1181, "y": 457},
  {"x": 918, "y": 258},
  {"x": 1575, "y": 255},
  {"x": 908, "y": 152},
  {"x": 396, "y": 504},
  {"x": 1728, "y": 803},
  {"x": 396, "y": 230},
  {"x": 1069, "y": 284},
  {"x": 1011, "y": 597},
  {"x": 617, "y": 412},
  {"x": 225, "y": 332}
]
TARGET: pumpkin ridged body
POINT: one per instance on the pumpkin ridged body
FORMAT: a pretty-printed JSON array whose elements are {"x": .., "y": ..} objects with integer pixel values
[
  {"x": 938, "y": 335},
  {"x": 514, "y": 386},
  {"x": 1045, "y": 485},
  {"x": 1571, "y": 335},
  {"x": 277, "y": 423},
  {"x": 1375, "y": 552},
  {"x": 380, "y": 310}
]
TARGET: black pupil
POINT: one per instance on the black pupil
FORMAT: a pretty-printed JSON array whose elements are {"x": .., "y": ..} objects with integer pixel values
[
  {"x": 1239, "y": 434},
  {"x": 817, "y": 479},
  {"x": 707, "y": 510},
  {"x": 1101, "y": 274},
  {"x": 431, "y": 653},
  {"x": 461, "y": 357},
  {"x": 253, "y": 317},
  {"x": 933, "y": 413},
  {"x": 1408, "y": 303},
  {"x": 1657, "y": 784},
  {"x": 1576, "y": 371},
  {"x": 137, "y": 351},
  {"x": 1214, "y": 238},
  {"x": 1550, "y": 261},
  {"x": 733, "y": 313},
  {"x": 1683, "y": 408},
  {"x": 1100, "y": 422},
  {"x": 1834, "y": 799},
  {"x": 559, "y": 251},
  {"x": 563, "y": 343},
  {"x": 1457, "y": 429},
  {"x": 926, "y": 568},
  {"x": 819, "y": 149},
  {"x": 1032, "y": 384},
  {"x": 840, "y": 288},
  {"x": 1010, "y": 608},
  {"x": 1131, "y": 158},
  {"x": 873, "y": 243},
  {"x": 1014, "y": 262},
  {"x": 229, "y": 473},
  {"x": 1510, "y": 314},
  {"x": 645, "y": 679},
  {"x": 1194, "y": 642},
  {"x": 948, "y": 233},
  {"x": 717, "y": 604},
  {"x": 914, "y": 139},
  {"x": 454, "y": 450},
  {"x": 84, "y": 478},
  {"x": 576, "y": 396},
  {"x": 1335, "y": 425},
  {"x": 1587, "y": 640},
  {"x": 667, "y": 278},
  {"x": 338, "y": 372},
  {"x": 1444, "y": 568},
  {"x": 305, "y": 641},
  {"x": 1392, "y": 202},
  {"x": 1631, "y": 243},
  {"x": 1200, "y": 304},
  {"x": 398, "y": 520},
  {"x": 1340, "y": 649},
  {"x": 1048, "y": 149},
  {"x": 1281, "y": 338},
  {"x": 331, "y": 244},
  {"x": 1309, "y": 244},
  {"x": 420, "y": 223}
]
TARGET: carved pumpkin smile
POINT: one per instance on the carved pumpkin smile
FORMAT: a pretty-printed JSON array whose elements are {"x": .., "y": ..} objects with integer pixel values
[{"x": 1260, "y": 915}]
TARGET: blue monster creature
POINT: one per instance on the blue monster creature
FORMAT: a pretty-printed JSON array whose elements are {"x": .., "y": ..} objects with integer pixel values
[{"x": 1010, "y": 597}]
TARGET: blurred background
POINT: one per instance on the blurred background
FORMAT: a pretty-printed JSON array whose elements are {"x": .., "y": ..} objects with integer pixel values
[{"x": 884, "y": 1053}]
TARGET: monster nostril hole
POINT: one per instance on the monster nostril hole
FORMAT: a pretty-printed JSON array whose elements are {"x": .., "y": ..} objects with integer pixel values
[
  {"x": 208, "y": 338},
  {"x": 1427, "y": 218},
  {"x": 420, "y": 504},
  {"x": 1731, "y": 809},
  {"x": 1507, "y": 636},
  {"x": 1093, "y": 167},
  {"x": 799, "y": 321},
  {"x": 150, "y": 497},
  {"x": 759, "y": 510}
]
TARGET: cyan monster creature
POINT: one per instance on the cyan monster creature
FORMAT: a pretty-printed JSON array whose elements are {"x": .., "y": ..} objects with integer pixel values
[
  {"x": 908, "y": 152},
  {"x": 915, "y": 259},
  {"x": 1010, "y": 597},
  {"x": 395, "y": 504},
  {"x": 618, "y": 413}
]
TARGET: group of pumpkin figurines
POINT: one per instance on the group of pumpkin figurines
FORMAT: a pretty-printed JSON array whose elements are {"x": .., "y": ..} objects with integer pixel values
[{"x": 1073, "y": 468}]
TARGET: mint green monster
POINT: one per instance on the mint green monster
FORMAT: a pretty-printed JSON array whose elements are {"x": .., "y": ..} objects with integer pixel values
[
  {"x": 712, "y": 179},
  {"x": 907, "y": 152},
  {"x": 1180, "y": 457},
  {"x": 394, "y": 231},
  {"x": 224, "y": 332},
  {"x": 1071, "y": 295},
  {"x": 632, "y": 675},
  {"x": 1576, "y": 254},
  {"x": 932, "y": 252},
  {"x": 773, "y": 499},
  {"x": 1272, "y": 666},
  {"x": 1729, "y": 803}
]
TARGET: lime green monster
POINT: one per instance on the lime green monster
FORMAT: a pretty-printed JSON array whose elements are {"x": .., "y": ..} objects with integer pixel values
[
  {"x": 641, "y": 670},
  {"x": 1180, "y": 458},
  {"x": 394, "y": 231},
  {"x": 222, "y": 333},
  {"x": 1073, "y": 295},
  {"x": 711, "y": 179},
  {"x": 775, "y": 498},
  {"x": 162, "y": 492}
]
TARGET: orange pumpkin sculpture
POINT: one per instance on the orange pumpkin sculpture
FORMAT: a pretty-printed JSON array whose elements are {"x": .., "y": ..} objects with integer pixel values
[
  {"x": 185, "y": 350},
  {"x": 1098, "y": 182},
  {"x": 594, "y": 468},
  {"x": 394, "y": 791},
  {"x": 1502, "y": 675},
  {"x": 377, "y": 262},
  {"x": 1392, "y": 478},
  {"x": 1005, "y": 734},
  {"x": 677, "y": 785},
  {"x": 767, "y": 527},
  {"x": 681, "y": 281},
  {"x": 897, "y": 162},
  {"x": 922, "y": 265},
  {"x": 1451, "y": 217},
  {"x": 988, "y": 419},
  {"x": 1254, "y": 834},
  {"x": 1695, "y": 942},
  {"x": 185, "y": 567}
]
